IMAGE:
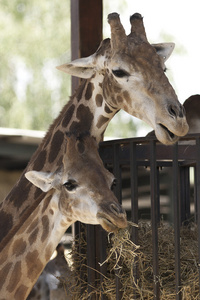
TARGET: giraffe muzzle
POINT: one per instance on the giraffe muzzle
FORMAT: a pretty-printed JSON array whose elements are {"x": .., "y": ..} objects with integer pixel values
[{"x": 112, "y": 218}]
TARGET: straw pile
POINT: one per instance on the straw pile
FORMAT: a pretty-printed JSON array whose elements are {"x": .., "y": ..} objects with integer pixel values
[{"x": 124, "y": 255}]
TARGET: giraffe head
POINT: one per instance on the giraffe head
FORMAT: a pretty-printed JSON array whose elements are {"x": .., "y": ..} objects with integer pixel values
[
  {"x": 82, "y": 185},
  {"x": 131, "y": 72}
]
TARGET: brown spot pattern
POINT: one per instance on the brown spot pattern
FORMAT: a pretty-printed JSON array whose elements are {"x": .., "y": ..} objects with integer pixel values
[
  {"x": 3, "y": 258},
  {"x": 89, "y": 91},
  {"x": 38, "y": 193},
  {"x": 107, "y": 109},
  {"x": 80, "y": 147},
  {"x": 32, "y": 226},
  {"x": 127, "y": 97},
  {"x": 15, "y": 277},
  {"x": 119, "y": 99},
  {"x": 40, "y": 161},
  {"x": 4, "y": 273},
  {"x": 60, "y": 161},
  {"x": 46, "y": 141},
  {"x": 45, "y": 225},
  {"x": 68, "y": 115},
  {"x": 6, "y": 222},
  {"x": 46, "y": 203},
  {"x": 99, "y": 100},
  {"x": 33, "y": 236},
  {"x": 20, "y": 292},
  {"x": 19, "y": 247},
  {"x": 117, "y": 89},
  {"x": 85, "y": 116},
  {"x": 80, "y": 90},
  {"x": 33, "y": 268},
  {"x": 101, "y": 121},
  {"x": 55, "y": 145},
  {"x": 48, "y": 251},
  {"x": 20, "y": 192}
]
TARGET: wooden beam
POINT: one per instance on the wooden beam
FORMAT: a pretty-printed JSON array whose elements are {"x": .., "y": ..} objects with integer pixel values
[{"x": 86, "y": 29}]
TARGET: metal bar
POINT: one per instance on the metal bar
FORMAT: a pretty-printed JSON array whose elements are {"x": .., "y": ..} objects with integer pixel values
[
  {"x": 163, "y": 153},
  {"x": 134, "y": 204},
  {"x": 198, "y": 199},
  {"x": 117, "y": 191},
  {"x": 154, "y": 218},
  {"x": 102, "y": 239},
  {"x": 91, "y": 259},
  {"x": 158, "y": 194},
  {"x": 79, "y": 229},
  {"x": 176, "y": 221},
  {"x": 134, "y": 190},
  {"x": 195, "y": 194},
  {"x": 184, "y": 194}
]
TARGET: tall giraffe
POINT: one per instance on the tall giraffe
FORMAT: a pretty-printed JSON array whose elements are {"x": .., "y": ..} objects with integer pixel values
[
  {"x": 125, "y": 72},
  {"x": 128, "y": 73},
  {"x": 78, "y": 189}
]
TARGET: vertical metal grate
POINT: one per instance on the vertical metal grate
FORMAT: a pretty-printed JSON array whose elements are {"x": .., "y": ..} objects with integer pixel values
[
  {"x": 154, "y": 218},
  {"x": 142, "y": 164}
]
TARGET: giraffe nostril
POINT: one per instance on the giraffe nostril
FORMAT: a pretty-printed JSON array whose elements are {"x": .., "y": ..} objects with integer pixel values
[
  {"x": 116, "y": 208},
  {"x": 176, "y": 111},
  {"x": 172, "y": 111}
]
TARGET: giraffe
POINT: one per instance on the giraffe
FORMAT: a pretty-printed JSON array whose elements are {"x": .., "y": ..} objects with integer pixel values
[
  {"x": 127, "y": 73},
  {"x": 79, "y": 189}
]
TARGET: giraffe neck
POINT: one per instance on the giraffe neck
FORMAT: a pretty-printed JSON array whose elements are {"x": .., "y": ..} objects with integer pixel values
[
  {"x": 31, "y": 248},
  {"x": 88, "y": 111}
]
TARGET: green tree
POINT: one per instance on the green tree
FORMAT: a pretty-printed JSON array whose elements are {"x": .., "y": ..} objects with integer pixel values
[{"x": 33, "y": 36}]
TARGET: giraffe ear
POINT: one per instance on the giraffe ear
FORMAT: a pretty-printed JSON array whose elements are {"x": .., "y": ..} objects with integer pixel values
[
  {"x": 164, "y": 49},
  {"x": 82, "y": 67},
  {"x": 42, "y": 180}
]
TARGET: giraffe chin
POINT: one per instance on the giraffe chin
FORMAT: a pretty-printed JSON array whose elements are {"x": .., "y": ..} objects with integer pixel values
[
  {"x": 165, "y": 136},
  {"x": 108, "y": 225}
]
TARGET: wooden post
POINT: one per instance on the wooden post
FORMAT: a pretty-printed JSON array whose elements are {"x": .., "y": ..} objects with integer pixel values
[
  {"x": 86, "y": 29},
  {"x": 86, "y": 35}
]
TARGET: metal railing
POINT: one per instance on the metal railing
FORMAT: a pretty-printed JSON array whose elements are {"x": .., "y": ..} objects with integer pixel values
[{"x": 147, "y": 174}]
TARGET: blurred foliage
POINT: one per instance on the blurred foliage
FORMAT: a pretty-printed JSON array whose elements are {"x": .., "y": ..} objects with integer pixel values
[{"x": 33, "y": 36}]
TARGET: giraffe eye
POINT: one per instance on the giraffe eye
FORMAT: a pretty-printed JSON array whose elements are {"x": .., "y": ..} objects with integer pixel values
[
  {"x": 114, "y": 183},
  {"x": 120, "y": 73},
  {"x": 70, "y": 185}
]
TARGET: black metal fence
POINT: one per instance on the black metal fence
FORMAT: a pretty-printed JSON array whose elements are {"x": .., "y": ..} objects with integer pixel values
[{"x": 154, "y": 182}]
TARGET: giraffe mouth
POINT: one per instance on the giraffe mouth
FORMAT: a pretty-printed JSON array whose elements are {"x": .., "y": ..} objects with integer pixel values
[
  {"x": 164, "y": 135},
  {"x": 111, "y": 225},
  {"x": 171, "y": 134}
]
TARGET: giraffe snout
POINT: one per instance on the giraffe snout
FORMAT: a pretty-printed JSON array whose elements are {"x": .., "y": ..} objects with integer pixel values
[
  {"x": 176, "y": 110},
  {"x": 117, "y": 209},
  {"x": 112, "y": 217}
]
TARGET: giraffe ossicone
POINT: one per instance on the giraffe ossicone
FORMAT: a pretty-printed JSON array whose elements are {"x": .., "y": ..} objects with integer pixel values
[{"x": 131, "y": 74}]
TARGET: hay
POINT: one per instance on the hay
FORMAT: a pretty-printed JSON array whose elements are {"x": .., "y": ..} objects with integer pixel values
[
  {"x": 123, "y": 256},
  {"x": 166, "y": 254}
]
